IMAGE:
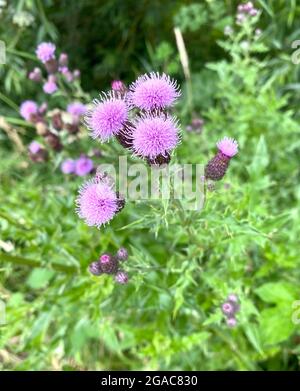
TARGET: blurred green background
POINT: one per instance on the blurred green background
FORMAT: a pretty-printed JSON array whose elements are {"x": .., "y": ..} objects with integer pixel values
[{"x": 244, "y": 85}]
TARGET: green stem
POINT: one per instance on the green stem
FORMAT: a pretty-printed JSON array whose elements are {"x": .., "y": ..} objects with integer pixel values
[
  {"x": 9, "y": 102},
  {"x": 33, "y": 263},
  {"x": 18, "y": 121},
  {"x": 21, "y": 54}
]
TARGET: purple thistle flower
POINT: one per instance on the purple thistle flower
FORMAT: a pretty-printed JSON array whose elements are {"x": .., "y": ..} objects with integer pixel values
[
  {"x": 68, "y": 166},
  {"x": 121, "y": 277},
  {"x": 228, "y": 146},
  {"x": 154, "y": 135},
  {"x": 95, "y": 268},
  {"x": 76, "y": 108},
  {"x": 107, "y": 117},
  {"x": 122, "y": 254},
  {"x": 50, "y": 87},
  {"x": 153, "y": 91},
  {"x": 28, "y": 110},
  {"x": 83, "y": 166},
  {"x": 69, "y": 76},
  {"x": 97, "y": 203},
  {"x": 45, "y": 52},
  {"x": 34, "y": 147}
]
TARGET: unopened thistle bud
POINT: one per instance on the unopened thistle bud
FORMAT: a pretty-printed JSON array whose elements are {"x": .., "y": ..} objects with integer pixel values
[
  {"x": 216, "y": 168},
  {"x": 121, "y": 277},
  {"x": 108, "y": 263},
  {"x": 56, "y": 119},
  {"x": 95, "y": 268},
  {"x": 54, "y": 141},
  {"x": 122, "y": 254}
]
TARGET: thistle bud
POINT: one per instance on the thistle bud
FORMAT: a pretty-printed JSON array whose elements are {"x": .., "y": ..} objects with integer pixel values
[
  {"x": 216, "y": 168},
  {"x": 122, "y": 254},
  {"x": 54, "y": 141},
  {"x": 108, "y": 263},
  {"x": 121, "y": 277},
  {"x": 95, "y": 268}
]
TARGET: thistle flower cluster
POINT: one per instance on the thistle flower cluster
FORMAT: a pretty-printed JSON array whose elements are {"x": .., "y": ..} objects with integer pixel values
[
  {"x": 245, "y": 11},
  {"x": 55, "y": 68},
  {"x": 80, "y": 167},
  {"x": 216, "y": 168},
  {"x": 138, "y": 117},
  {"x": 112, "y": 265},
  {"x": 229, "y": 308},
  {"x": 55, "y": 124}
]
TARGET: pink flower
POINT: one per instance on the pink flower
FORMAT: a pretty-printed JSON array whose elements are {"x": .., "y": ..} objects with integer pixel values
[
  {"x": 76, "y": 108},
  {"x": 68, "y": 166},
  {"x": 83, "y": 166},
  {"x": 34, "y": 147},
  {"x": 50, "y": 87},
  {"x": 228, "y": 146},
  {"x": 45, "y": 52},
  {"x": 97, "y": 203},
  {"x": 153, "y": 91},
  {"x": 28, "y": 109},
  {"x": 107, "y": 117},
  {"x": 155, "y": 135}
]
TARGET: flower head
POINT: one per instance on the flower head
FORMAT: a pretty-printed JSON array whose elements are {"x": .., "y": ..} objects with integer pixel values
[
  {"x": 109, "y": 264},
  {"x": 153, "y": 91},
  {"x": 50, "y": 87},
  {"x": 34, "y": 147},
  {"x": 121, "y": 277},
  {"x": 28, "y": 109},
  {"x": 35, "y": 75},
  {"x": 107, "y": 117},
  {"x": 228, "y": 146},
  {"x": 95, "y": 268},
  {"x": 83, "y": 166},
  {"x": 154, "y": 135},
  {"x": 227, "y": 308},
  {"x": 122, "y": 254},
  {"x": 76, "y": 108},
  {"x": 45, "y": 52},
  {"x": 63, "y": 59},
  {"x": 231, "y": 322},
  {"x": 97, "y": 203},
  {"x": 68, "y": 166}
]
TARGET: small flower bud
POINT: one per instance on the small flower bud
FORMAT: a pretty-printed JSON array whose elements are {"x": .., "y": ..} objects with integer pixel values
[
  {"x": 109, "y": 264},
  {"x": 121, "y": 277},
  {"x": 63, "y": 59},
  {"x": 57, "y": 122},
  {"x": 122, "y": 254},
  {"x": 95, "y": 268},
  {"x": 231, "y": 322},
  {"x": 51, "y": 66},
  {"x": 54, "y": 141}
]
